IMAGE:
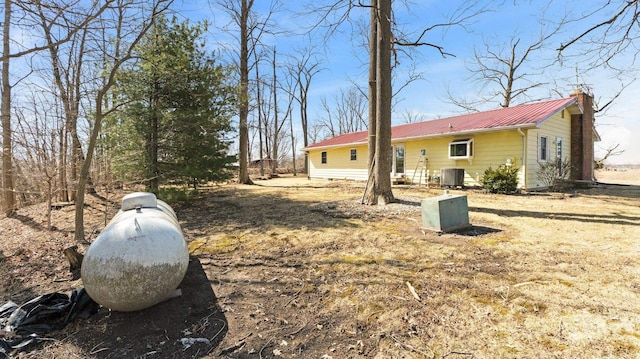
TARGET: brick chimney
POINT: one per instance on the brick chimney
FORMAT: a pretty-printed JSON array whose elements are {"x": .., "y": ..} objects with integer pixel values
[{"x": 582, "y": 138}]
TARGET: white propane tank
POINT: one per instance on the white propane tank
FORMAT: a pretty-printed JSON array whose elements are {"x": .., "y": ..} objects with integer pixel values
[{"x": 140, "y": 257}]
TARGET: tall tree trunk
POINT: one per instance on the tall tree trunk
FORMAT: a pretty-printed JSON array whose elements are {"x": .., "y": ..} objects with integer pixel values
[
  {"x": 158, "y": 6},
  {"x": 370, "y": 192},
  {"x": 154, "y": 183},
  {"x": 69, "y": 91},
  {"x": 276, "y": 125},
  {"x": 305, "y": 134},
  {"x": 7, "y": 155},
  {"x": 380, "y": 188},
  {"x": 84, "y": 170},
  {"x": 243, "y": 175},
  {"x": 383, "y": 103},
  {"x": 259, "y": 120},
  {"x": 303, "y": 119},
  {"x": 293, "y": 143},
  {"x": 373, "y": 66},
  {"x": 152, "y": 143},
  {"x": 304, "y": 72},
  {"x": 63, "y": 195}
]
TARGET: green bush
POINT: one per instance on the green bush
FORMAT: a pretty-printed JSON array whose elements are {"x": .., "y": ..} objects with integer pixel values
[{"x": 504, "y": 179}]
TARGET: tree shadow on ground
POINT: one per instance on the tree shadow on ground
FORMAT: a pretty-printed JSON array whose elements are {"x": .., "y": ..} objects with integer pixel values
[
  {"x": 189, "y": 326},
  {"x": 37, "y": 221},
  {"x": 11, "y": 289},
  {"x": 616, "y": 190},
  {"x": 408, "y": 202},
  {"x": 246, "y": 210},
  {"x": 28, "y": 221},
  {"x": 476, "y": 231},
  {"x": 617, "y": 219}
]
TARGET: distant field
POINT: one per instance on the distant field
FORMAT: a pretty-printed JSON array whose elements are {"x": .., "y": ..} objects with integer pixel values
[{"x": 619, "y": 175}]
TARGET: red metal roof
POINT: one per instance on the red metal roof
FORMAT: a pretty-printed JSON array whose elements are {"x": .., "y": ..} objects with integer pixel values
[{"x": 527, "y": 115}]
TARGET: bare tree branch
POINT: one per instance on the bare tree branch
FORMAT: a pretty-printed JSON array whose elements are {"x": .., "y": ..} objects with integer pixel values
[
  {"x": 93, "y": 13},
  {"x": 605, "y": 42},
  {"x": 607, "y": 23},
  {"x": 503, "y": 72},
  {"x": 612, "y": 151}
]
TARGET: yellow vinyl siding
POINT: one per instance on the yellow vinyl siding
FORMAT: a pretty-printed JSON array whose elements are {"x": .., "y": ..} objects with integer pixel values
[
  {"x": 489, "y": 149},
  {"x": 339, "y": 164},
  {"x": 554, "y": 128}
]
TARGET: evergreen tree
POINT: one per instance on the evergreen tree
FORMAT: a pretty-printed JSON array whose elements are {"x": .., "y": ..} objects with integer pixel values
[{"x": 178, "y": 111}]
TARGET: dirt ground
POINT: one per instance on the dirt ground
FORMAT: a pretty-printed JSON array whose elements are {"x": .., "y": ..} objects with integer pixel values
[{"x": 293, "y": 268}]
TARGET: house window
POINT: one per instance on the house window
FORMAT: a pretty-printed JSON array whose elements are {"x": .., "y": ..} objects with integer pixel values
[
  {"x": 324, "y": 157},
  {"x": 543, "y": 148},
  {"x": 461, "y": 149},
  {"x": 354, "y": 154}
]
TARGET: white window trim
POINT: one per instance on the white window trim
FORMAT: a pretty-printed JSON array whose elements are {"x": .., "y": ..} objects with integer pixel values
[
  {"x": 547, "y": 153},
  {"x": 350, "y": 154},
  {"x": 469, "y": 148}
]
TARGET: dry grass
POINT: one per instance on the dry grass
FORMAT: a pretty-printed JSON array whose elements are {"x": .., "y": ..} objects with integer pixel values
[
  {"x": 553, "y": 275},
  {"x": 301, "y": 269},
  {"x": 629, "y": 175}
]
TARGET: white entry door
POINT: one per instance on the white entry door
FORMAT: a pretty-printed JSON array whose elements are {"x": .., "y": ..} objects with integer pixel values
[{"x": 397, "y": 160}]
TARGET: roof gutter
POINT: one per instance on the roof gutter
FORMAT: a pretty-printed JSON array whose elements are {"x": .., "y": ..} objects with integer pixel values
[{"x": 307, "y": 149}]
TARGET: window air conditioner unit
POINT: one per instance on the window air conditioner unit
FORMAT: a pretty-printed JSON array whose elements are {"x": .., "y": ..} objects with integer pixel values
[{"x": 452, "y": 177}]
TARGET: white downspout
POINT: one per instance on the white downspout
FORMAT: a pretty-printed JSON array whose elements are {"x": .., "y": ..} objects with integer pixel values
[{"x": 524, "y": 157}]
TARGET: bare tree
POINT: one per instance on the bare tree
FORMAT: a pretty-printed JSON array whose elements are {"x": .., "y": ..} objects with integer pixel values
[
  {"x": 259, "y": 108},
  {"x": 379, "y": 190},
  {"x": 611, "y": 29},
  {"x": 505, "y": 73},
  {"x": 303, "y": 69},
  {"x": 316, "y": 133},
  {"x": 607, "y": 38},
  {"x": 251, "y": 29},
  {"x": 611, "y": 151},
  {"x": 84, "y": 15},
  {"x": 68, "y": 81},
  {"x": 328, "y": 125},
  {"x": 243, "y": 20},
  {"x": 265, "y": 110},
  {"x": 346, "y": 114},
  {"x": 35, "y": 140},
  {"x": 372, "y": 88},
  {"x": 7, "y": 156},
  {"x": 412, "y": 117},
  {"x": 69, "y": 18},
  {"x": 277, "y": 125},
  {"x": 290, "y": 116},
  {"x": 125, "y": 27}
]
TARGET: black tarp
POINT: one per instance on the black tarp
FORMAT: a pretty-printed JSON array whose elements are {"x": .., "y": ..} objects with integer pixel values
[{"x": 22, "y": 325}]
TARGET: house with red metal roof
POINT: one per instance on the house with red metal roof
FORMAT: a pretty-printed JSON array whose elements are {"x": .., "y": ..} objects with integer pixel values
[{"x": 456, "y": 151}]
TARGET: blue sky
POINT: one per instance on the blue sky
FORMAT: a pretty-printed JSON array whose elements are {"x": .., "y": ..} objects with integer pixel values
[{"x": 343, "y": 59}]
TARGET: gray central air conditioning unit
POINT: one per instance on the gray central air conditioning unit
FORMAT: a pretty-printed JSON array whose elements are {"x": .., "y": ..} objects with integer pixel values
[{"x": 452, "y": 177}]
